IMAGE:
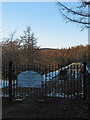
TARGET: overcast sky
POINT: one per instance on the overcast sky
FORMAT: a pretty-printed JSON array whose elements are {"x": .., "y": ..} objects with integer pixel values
[{"x": 45, "y": 21}]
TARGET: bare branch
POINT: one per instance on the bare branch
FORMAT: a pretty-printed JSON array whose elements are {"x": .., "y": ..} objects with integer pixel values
[
  {"x": 73, "y": 20},
  {"x": 74, "y": 12},
  {"x": 12, "y": 35},
  {"x": 80, "y": 15}
]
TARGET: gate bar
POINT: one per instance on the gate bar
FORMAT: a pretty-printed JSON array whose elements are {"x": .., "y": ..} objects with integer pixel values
[
  {"x": 10, "y": 81},
  {"x": 84, "y": 77}
]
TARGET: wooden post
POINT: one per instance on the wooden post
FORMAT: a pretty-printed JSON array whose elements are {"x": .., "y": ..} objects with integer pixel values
[
  {"x": 84, "y": 77},
  {"x": 10, "y": 81}
]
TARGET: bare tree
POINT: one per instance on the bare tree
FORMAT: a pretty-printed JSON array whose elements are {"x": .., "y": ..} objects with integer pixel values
[
  {"x": 80, "y": 14},
  {"x": 9, "y": 48},
  {"x": 29, "y": 42}
]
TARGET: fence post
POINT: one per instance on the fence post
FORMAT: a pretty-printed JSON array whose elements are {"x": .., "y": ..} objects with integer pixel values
[
  {"x": 10, "y": 81},
  {"x": 84, "y": 77}
]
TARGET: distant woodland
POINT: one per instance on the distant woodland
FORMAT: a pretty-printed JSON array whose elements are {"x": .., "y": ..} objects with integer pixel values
[
  {"x": 11, "y": 51},
  {"x": 25, "y": 51}
]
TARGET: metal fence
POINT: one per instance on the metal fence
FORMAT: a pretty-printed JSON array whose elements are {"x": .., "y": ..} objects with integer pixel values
[{"x": 57, "y": 82}]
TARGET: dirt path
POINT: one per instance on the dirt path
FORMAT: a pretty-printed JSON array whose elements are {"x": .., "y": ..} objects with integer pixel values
[{"x": 47, "y": 109}]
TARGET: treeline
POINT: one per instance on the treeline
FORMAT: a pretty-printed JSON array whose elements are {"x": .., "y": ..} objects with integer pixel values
[
  {"x": 65, "y": 56},
  {"x": 25, "y": 51},
  {"x": 12, "y": 52}
]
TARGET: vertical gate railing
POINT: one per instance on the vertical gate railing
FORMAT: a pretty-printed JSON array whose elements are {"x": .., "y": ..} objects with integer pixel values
[
  {"x": 85, "y": 81},
  {"x": 10, "y": 80},
  {"x": 66, "y": 82}
]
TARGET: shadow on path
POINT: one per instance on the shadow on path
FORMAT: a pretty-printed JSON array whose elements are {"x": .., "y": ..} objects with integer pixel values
[{"x": 45, "y": 109}]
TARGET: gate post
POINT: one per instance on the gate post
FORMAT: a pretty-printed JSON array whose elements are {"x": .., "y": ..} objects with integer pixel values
[
  {"x": 84, "y": 78},
  {"x": 10, "y": 81}
]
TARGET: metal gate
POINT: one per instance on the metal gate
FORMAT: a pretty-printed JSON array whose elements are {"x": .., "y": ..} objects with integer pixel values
[{"x": 57, "y": 82}]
